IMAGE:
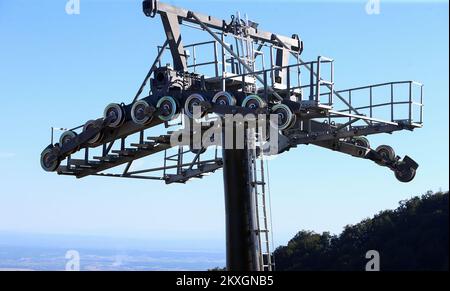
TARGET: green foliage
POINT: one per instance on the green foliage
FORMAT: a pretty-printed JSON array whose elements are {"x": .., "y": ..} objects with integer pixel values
[{"x": 415, "y": 236}]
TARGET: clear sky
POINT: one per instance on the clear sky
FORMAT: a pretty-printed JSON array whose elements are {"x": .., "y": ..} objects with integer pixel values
[{"x": 61, "y": 70}]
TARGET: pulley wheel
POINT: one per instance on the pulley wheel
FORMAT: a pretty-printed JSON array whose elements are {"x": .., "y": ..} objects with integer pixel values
[
  {"x": 139, "y": 112},
  {"x": 192, "y": 101},
  {"x": 405, "y": 174},
  {"x": 48, "y": 161},
  {"x": 66, "y": 137},
  {"x": 224, "y": 98},
  {"x": 96, "y": 138},
  {"x": 285, "y": 116},
  {"x": 362, "y": 141},
  {"x": 168, "y": 107},
  {"x": 253, "y": 102},
  {"x": 387, "y": 152},
  {"x": 115, "y": 111}
]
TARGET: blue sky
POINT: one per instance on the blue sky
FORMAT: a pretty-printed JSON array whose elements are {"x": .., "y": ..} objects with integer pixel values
[{"x": 59, "y": 70}]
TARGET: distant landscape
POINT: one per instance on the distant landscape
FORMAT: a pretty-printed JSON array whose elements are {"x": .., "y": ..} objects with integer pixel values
[
  {"x": 41, "y": 259},
  {"x": 42, "y": 252}
]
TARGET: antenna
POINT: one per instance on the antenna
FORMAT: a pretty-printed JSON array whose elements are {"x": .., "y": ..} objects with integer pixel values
[{"x": 258, "y": 76}]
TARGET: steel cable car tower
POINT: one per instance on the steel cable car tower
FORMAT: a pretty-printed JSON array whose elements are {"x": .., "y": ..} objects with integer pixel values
[{"x": 249, "y": 72}]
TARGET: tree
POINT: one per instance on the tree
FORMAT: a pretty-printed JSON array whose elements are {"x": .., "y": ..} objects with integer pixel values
[{"x": 415, "y": 236}]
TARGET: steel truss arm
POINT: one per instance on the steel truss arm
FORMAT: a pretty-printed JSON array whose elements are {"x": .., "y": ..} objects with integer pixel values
[
  {"x": 173, "y": 34},
  {"x": 305, "y": 138},
  {"x": 202, "y": 168},
  {"x": 153, "y": 7},
  {"x": 404, "y": 169}
]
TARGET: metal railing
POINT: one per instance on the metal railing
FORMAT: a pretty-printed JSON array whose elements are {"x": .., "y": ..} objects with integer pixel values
[
  {"x": 314, "y": 85},
  {"x": 411, "y": 100},
  {"x": 193, "y": 58},
  {"x": 310, "y": 85}
]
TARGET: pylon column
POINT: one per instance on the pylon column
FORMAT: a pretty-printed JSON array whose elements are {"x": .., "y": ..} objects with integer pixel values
[{"x": 241, "y": 239}]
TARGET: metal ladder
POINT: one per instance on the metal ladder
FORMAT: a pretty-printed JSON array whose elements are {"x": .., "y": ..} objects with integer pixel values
[{"x": 261, "y": 213}]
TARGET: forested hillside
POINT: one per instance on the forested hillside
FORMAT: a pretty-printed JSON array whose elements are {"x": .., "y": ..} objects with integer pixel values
[{"x": 415, "y": 236}]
